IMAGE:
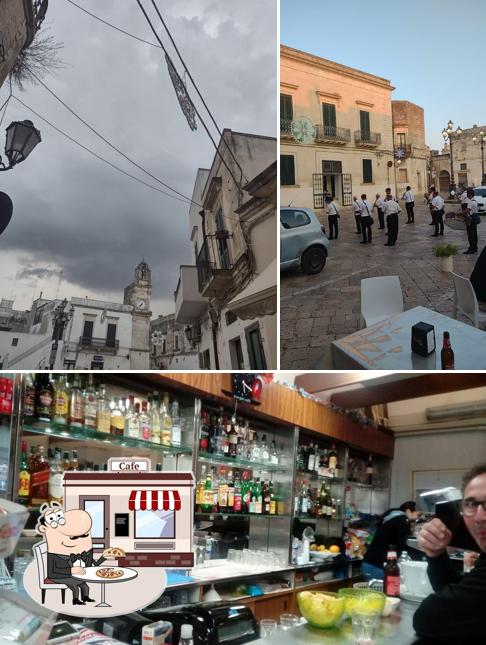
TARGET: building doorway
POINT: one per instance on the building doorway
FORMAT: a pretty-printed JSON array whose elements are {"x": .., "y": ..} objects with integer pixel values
[{"x": 444, "y": 181}]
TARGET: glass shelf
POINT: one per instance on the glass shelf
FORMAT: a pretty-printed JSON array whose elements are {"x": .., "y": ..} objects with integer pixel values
[
  {"x": 84, "y": 433},
  {"x": 302, "y": 473},
  {"x": 368, "y": 486},
  {"x": 209, "y": 458},
  {"x": 308, "y": 518},
  {"x": 243, "y": 515}
]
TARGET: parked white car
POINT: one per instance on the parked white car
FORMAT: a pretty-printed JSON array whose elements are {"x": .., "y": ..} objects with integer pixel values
[{"x": 480, "y": 198}]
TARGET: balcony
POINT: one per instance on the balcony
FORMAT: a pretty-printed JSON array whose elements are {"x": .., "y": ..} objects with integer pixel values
[
  {"x": 366, "y": 139},
  {"x": 286, "y": 129},
  {"x": 331, "y": 134},
  {"x": 98, "y": 345},
  {"x": 214, "y": 266},
  {"x": 189, "y": 304}
]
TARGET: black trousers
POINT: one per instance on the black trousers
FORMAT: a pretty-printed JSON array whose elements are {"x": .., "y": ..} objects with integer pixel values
[
  {"x": 76, "y": 586},
  {"x": 409, "y": 206},
  {"x": 366, "y": 228},
  {"x": 333, "y": 226},
  {"x": 357, "y": 217},
  {"x": 392, "y": 225},
  {"x": 472, "y": 236},
  {"x": 381, "y": 218},
  {"x": 438, "y": 221}
]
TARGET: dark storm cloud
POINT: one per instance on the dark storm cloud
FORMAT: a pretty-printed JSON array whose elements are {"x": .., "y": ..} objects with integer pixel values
[
  {"x": 34, "y": 273},
  {"x": 71, "y": 210}
]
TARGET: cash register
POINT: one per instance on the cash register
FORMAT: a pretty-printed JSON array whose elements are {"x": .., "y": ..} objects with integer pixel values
[{"x": 214, "y": 623}]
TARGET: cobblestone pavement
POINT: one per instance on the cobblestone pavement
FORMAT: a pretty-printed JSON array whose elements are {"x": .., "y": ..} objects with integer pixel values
[{"x": 317, "y": 309}]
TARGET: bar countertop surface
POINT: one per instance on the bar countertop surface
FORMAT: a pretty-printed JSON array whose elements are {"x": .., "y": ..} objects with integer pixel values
[{"x": 396, "y": 629}]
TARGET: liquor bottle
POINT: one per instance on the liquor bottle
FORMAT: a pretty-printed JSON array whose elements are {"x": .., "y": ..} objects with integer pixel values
[
  {"x": 24, "y": 477},
  {"x": 166, "y": 421},
  {"x": 103, "y": 415},
  {"x": 300, "y": 458},
  {"x": 369, "y": 470},
  {"x": 238, "y": 502},
  {"x": 132, "y": 428},
  {"x": 39, "y": 478},
  {"x": 215, "y": 490},
  {"x": 224, "y": 437},
  {"x": 76, "y": 407},
  {"x": 255, "y": 448},
  {"x": 246, "y": 492},
  {"x": 117, "y": 419},
  {"x": 55, "y": 490},
  {"x": 391, "y": 585},
  {"x": 144, "y": 423},
  {"x": 44, "y": 397},
  {"x": 233, "y": 439},
  {"x": 266, "y": 498},
  {"x": 66, "y": 462},
  {"x": 332, "y": 461},
  {"x": 28, "y": 407},
  {"x": 447, "y": 354},
  {"x": 155, "y": 423},
  {"x": 311, "y": 458},
  {"x": 74, "y": 463},
  {"x": 90, "y": 404},
  {"x": 222, "y": 491},
  {"x": 264, "y": 450},
  {"x": 257, "y": 497},
  {"x": 303, "y": 500},
  {"x": 204, "y": 433},
  {"x": 176, "y": 424},
  {"x": 215, "y": 445},
  {"x": 200, "y": 488},
  {"x": 231, "y": 493},
  {"x": 310, "y": 506},
  {"x": 207, "y": 494},
  {"x": 273, "y": 453},
  {"x": 329, "y": 505},
  {"x": 273, "y": 501}
]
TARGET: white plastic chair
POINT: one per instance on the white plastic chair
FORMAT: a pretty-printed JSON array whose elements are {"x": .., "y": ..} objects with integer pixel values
[
  {"x": 40, "y": 553},
  {"x": 381, "y": 298},
  {"x": 465, "y": 300}
]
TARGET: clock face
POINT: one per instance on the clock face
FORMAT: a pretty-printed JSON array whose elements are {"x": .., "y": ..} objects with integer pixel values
[
  {"x": 140, "y": 304},
  {"x": 303, "y": 130}
]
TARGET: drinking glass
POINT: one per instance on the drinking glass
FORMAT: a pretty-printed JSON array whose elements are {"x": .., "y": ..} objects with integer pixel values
[
  {"x": 365, "y": 626},
  {"x": 287, "y": 621},
  {"x": 267, "y": 627}
]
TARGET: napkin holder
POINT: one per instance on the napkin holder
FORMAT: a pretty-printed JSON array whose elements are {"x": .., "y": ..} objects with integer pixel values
[{"x": 423, "y": 338}]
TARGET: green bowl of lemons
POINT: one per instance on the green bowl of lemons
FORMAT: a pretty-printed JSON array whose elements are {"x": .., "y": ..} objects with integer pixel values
[
  {"x": 320, "y": 609},
  {"x": 365, "y": 600}
]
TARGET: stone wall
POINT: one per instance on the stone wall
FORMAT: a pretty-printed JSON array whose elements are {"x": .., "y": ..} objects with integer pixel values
[{"x": 16, "y": 31}]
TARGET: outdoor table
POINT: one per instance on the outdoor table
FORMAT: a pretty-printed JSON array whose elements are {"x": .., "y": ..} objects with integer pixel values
[
  {"x": 90, "y": 576},
  {"x": 387, "y": 345}
]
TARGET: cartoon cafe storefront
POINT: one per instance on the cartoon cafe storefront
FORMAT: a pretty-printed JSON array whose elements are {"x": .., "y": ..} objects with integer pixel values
[{"x": 147, "y": 514}]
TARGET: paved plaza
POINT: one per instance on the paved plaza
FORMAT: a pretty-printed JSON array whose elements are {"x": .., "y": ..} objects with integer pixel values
[{"x": 317, "y": 309}]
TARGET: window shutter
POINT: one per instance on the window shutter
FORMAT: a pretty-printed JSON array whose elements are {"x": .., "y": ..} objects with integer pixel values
[
  {"x": 287, "y": 170},
  {"x": 286, "y": 108},
  {"x": 329, "y": 114},
  {"x": 367, "y": 171},
  {"x": 364, "y": 121}
]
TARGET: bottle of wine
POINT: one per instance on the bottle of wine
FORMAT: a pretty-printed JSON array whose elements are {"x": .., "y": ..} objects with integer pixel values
[{"x": 447, "y": 354}]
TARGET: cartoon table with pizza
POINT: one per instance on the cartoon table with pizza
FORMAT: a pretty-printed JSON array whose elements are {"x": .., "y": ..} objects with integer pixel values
[{"x": 104, "y": 575}]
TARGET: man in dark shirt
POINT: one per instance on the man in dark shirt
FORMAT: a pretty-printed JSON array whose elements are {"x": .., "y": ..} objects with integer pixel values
[{"x": 456, "y": 612}]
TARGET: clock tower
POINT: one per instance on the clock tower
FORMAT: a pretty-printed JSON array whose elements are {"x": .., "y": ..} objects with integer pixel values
[{"x": 137, "y": 295}]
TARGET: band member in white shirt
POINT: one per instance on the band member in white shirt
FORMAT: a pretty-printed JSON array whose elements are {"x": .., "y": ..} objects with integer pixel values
[
  {"x": 430, "y": 197},
  {"x": 437, "y": 210},
  {"x": 366, "y": 223},
  {"x": 392, "y": 208},
  {"x": 463, "y": 198},
  {"x": 332, "y": 218},
  {"x": 408, "y": 196},
  {"x": 357, "y": 215},
  {"x": 380, "y": 204},
  {"x": 472, "y": 218}
]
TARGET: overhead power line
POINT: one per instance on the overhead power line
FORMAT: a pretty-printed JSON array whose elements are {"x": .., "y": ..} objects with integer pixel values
[
  {"x": 75, "y": 141},
  {"x": 137, "y": 165}
]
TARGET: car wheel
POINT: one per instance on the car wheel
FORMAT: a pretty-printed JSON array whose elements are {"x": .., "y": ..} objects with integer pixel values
[{"x": 313, "y": 259}]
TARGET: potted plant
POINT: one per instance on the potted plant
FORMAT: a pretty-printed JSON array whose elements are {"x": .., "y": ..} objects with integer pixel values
[{"x": 445, "y": 253}]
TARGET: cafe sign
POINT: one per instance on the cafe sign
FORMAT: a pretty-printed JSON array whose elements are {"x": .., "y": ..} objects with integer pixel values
[{"x": 130, "y": 464}]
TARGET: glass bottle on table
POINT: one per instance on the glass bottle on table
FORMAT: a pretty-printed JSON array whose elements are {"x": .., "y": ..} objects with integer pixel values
[
  {"x": 166, "y": 421},
  {"x": 176, "y": 424},
  {"x": 76, "y": 407},
  {"x": 447, "y": 353},
  {"x": 155, "y": 423},
  {"x": 90, "y": 404},
  {"x": 391, "y": 585},
  {"x": 103, "y": 415}
]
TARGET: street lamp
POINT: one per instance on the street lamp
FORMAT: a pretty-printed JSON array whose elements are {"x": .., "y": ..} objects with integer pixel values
[
  {"x": 449, "y": 135},
  {"x": 480, "y": 142},
  {"x": 22, "y": 138}
]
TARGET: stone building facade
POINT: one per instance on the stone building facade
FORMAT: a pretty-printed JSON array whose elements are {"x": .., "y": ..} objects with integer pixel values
[
  {"x": 469, "y": 161},
  {"x": 174, "y": 345},
  {"x": 410, "y": 149},
  {"x": 19, "y": 21}
]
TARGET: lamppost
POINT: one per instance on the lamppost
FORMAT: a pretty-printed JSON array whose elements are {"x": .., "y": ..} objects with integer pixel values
[
  {"x": 60, "y": 319},
  {"x": 480, "y": 142},
  {"x": 22, "y": 138},
  {"x": 449, "y": 135}
]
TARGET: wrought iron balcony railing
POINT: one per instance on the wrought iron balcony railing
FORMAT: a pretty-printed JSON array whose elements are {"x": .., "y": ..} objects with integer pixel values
[
  {"x": 99, "y": 344},
  {"x": 332, "y": 133},
  {"x": 214, "y": 259},
  {"x": 367, "y": 138},
  {"x": 286, "y": 127}
]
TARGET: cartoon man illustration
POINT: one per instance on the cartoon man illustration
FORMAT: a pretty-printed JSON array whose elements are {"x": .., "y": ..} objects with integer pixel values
[{"x": 69, "y": 547}]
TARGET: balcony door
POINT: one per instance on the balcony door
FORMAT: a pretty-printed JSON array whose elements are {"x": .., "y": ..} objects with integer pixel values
[
  {"x": 111, "y": 335},
  {"x": 364, "y": 124},
  {"x": 88, "y": 330},
  {"x": 329, "y": 119},
  {"x": 254, "y": 343},
  {"x": 224, "y": 257}
]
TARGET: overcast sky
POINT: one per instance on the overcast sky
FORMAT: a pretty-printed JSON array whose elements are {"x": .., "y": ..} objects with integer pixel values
[
  {"x": 421, "y": 47},
  {"x": 72, "y": 213}
]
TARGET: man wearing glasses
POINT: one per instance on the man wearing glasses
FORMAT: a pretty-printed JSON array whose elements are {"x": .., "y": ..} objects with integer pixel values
[{"x": 456, "y": 612}]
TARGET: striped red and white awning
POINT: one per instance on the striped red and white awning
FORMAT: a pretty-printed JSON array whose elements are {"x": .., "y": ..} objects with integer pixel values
[{"x": 154, "y": 500}]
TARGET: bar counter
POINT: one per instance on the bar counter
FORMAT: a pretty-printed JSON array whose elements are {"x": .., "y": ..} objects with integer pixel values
[{"x": 396, "y": 629}]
